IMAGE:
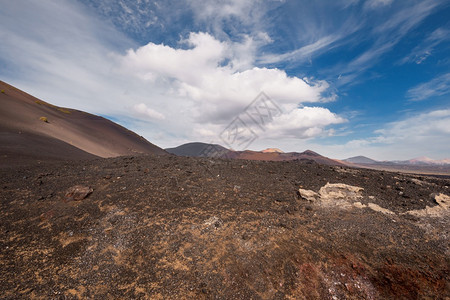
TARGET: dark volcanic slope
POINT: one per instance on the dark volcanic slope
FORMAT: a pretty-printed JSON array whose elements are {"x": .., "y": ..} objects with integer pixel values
[
  {"x": 26, "y": 148},
  {"x": 22, "y": 113},
  {"x": 196, "y": 149},
  {"x": 167, "y": 227},
  {"x": 360, "y": 160}
]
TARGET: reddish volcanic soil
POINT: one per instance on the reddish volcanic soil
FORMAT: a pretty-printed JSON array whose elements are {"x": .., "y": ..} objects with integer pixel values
[{"x": 166, "y": 227}]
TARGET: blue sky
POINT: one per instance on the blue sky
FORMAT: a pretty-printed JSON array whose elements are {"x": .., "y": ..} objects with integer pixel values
[{"x": 351, "y": 77}]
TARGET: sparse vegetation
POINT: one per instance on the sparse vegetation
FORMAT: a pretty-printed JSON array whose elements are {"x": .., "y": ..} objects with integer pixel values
[
  {"x": 61, "y": 109},
  {"x": 3, "y": 91},
  {"x": 44, "y": 119},
  {"x": 40, "y": 102},
  {"x": 64, "y": 110}
]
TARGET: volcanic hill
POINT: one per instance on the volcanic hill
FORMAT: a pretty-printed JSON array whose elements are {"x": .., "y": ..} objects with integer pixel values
[{"x": 34, "y": 130}]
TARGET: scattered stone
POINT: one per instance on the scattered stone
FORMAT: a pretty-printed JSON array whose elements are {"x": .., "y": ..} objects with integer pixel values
[
  {"x": 440, "y": 210},
  {"x": 380, "y": 209},
  {"x": 77, "y": 192},
  {"x": 245, "y": 236},
  {"x": 374, "y": 207},
  {"x": 419, "y": 182},
  {"x": 339, "y": 194},
  {"x": 236, "y": 189},
  {"x": 359, "y": 205},
  {"x": 308, "y": 195},
  {"x": 340, "y": 191},
  {"x": 213, "y": 223},
  {"x": 333, "y": 194}
]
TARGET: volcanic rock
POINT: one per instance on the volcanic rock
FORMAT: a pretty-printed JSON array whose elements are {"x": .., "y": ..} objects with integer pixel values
[{"x": 77, "y": 192}]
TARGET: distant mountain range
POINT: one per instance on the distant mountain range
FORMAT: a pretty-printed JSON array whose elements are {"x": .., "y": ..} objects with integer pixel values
[
  {"x": 270, "y": 154},
  {"x": 425, "y": 161},
  {"x": 198, "y": 149},
  {"x": 422, "y": 165}
]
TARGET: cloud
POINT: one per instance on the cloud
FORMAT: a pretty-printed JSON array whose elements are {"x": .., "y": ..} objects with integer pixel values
[
  {"x": 207, "y": 60},
  {"x": 436, "y": 87},
  {"x": 63, "y": 54},
  {"x": 234, "y": 17},
  {"x": 211, "y": 9},
  {"x": 385, "y": 37},
  {"x": 300, "y": 54},
  {"x": 422, "y": 51},
  {"x": 364, "y": 61},
  {"x": 142, "y": 109},
  {"x": 303, "y": 123},
  {"x": 372, "y": 4},
  {"x": 218, "y": 77},
  {"x": 59, "y": 52},
  {"x": 136, "y": 17},
  {"x": 407, "y": 18},
  {"x": 410, "y": 137},
  {"x": 279, "y": 32},
  {"x": 418, "y": 128}
]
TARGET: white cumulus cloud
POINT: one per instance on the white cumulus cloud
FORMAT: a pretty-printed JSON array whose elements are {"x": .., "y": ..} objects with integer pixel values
[
  {"x": 305, "y": 122},
  {"x": 217, "y": 76},
  {"x": 143, "y": 110}
]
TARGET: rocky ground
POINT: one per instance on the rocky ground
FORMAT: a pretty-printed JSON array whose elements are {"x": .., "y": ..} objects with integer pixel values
[{"x": 166, "y": 227}]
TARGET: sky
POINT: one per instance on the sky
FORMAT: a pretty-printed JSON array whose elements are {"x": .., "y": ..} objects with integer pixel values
[{"x": 342, "y": 78}]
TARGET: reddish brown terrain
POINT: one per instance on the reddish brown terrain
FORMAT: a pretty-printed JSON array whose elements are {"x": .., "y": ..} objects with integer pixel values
[
  {"x": 167, "y": 227},
  {"x": 33, "y": 130}
]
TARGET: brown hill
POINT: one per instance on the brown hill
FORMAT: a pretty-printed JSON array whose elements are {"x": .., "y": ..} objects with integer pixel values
[
  {"x": 280, "y": 156},
  {"x": 32, "y": 128}
]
